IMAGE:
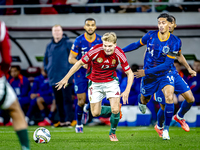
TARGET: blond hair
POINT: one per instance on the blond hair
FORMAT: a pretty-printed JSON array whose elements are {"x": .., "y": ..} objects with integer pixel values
[
  {"x": 109, "y": 37},
  {"x": 57, "y": 25}
]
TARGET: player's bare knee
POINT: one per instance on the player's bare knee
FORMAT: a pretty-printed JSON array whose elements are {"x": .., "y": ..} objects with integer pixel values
[
  {"x": 81, "y": 102},
  {"x": 169, "y": 98},
  {"x": 115, "y": 110},
  {"x": 95, "y": 113},
  {"x": 190, "y": 99}
]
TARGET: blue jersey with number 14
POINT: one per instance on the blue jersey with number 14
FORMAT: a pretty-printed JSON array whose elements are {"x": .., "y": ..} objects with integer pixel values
[{"x": 158, "y": 50}]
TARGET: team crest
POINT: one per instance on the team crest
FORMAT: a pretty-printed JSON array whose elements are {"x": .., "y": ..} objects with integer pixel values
[
  {"x": 99, "y": 60},
  {"x": 113, "y": 61},
  {"x": 165, "y": 49}
]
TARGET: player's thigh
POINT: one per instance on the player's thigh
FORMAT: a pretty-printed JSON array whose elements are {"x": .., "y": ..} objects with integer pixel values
[
  {"x": 159, "y": 97},
  {"x": 95, "y": 109},
  {"x": 95, "y": 92},
  {"x": 48, "y": 99},
  {"x": 114, "y": 103},
  {"x": 188, "y": 96},
  {"x": 111, "y": 89},
  {"x": 148, "y": 87},
  {"x": 180, "y": 85},
  {"x": 168, "y": 92},
  {"x": 81, "y": 86},
  {"x": 7, "y": 94}
]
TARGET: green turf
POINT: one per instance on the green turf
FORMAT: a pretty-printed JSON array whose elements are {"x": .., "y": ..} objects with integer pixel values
[{"x": 96, "y": 138}]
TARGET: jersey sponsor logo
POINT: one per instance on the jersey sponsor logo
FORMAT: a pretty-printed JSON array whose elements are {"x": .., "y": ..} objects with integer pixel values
[
  {"x": 151, "y": 44},
  {"x": 83, "y": 48},
  {"x": 86, "y": 58},
  {"x": 113, "y": 61},
  {"x": 165, "y": 49},
  {"x": 99, "y": 60},
  {"x": 107, "y": 61}
]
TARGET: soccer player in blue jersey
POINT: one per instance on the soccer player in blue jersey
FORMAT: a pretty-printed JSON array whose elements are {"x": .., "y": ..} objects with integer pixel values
[
  {"x": 162, "y": 48},
  {"x": 181, "y": 87},
  {"x": 81, "y": 46}
]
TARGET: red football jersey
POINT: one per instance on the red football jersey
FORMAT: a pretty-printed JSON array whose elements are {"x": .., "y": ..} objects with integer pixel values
[
  {"x": 4, "y": 50},
  {"x": 102, "y": 66}
]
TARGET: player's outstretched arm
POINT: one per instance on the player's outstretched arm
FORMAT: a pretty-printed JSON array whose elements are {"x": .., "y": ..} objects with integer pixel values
[
  {"x": 132, "y": 46},
  {"x": 183, "y": 61},
  {"x": 64, "y": 81},
  {"x": 162, "y": 67},
  {"x": 125, "y": 94}
]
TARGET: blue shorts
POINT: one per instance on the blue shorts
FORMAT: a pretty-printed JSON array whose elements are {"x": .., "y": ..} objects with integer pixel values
[
  {"x": 48, "y": 99},
  {"x": 180, "y": 87},
  {"x": 80, "y": 81},
  {"x": 149, "y": 86}
]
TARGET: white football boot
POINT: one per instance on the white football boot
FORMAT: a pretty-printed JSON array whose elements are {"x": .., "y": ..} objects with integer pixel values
[
  {"x": 142, "y": 108},
  {"x": 165, "y": 135}
]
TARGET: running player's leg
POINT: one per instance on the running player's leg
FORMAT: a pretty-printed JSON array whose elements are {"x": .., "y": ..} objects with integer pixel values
[
  {"x": 185, "y": 107},
  {"x": 115, "y": 116},
  {"x": 19, "y": 124},
  {"x": 80, "y": 90},
  {"x": 168, "y": 92},
  {"x": 9, "y": 102},
  {"x": 182, "y": 87},
  {"x": 142, "y": 102}
]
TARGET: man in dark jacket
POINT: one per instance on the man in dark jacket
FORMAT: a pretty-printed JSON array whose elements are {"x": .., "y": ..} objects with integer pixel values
[{"x": 57, "y": 66}]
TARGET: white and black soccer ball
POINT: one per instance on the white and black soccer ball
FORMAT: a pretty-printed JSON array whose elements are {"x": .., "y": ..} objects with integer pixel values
[{"x": 41, "y": 135}]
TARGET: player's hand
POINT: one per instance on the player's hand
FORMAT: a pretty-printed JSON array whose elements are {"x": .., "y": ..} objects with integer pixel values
[
  {"x": 139, "y": 73},
  {"x": 124, "y": 96},
  {"x": 85, "y": 66},
  {"x": 192, "y": 72},
  {"x": 62, "y": 83}
]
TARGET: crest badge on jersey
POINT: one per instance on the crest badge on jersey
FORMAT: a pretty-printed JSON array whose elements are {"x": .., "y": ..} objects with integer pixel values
[
  {"x": 113, "y": 61},
  {"x": 99, "y": 60},
  {"x": 165, "y": 49}
]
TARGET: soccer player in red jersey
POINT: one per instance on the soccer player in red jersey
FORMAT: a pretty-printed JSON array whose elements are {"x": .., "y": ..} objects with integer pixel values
[
  {"x": 103, "y": 60},
  {"x": 8, "y": 98}
]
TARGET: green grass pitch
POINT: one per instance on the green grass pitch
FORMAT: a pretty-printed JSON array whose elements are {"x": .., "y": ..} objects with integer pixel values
[{"x": 96, "y": 138}]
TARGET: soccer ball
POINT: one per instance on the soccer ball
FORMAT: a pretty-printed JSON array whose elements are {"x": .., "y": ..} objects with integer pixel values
[{"x": 41, "y": 135}]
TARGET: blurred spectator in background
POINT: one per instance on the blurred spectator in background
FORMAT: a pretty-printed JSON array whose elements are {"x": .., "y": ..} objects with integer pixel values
[
  {"x": 175, "y": 7},
  {"x": 160, "y": 8},
  {"x": 2, "y": 10},
  {"x": 179, "y": 68},
  {"x": 194, "y": 82},
  {"x": 41, "y": 95},
  {"x": 56, "y": 65},
  {"x": 21, "y": 86},
  {"x": 135, "y": 8},
  {"x": 191, "y": 8}
]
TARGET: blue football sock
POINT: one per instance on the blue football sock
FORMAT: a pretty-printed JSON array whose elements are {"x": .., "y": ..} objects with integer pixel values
[
  {"x": 185, "y": 106},
  {"x": 160, "y": 117},
  {"x": 51, "y": 115},
  {"x": 151, "y": 107},
  {"x": 31, "y": 107},
  {"x": 79, "y": 112},
  {"x": 43, "y": 114},
  {"x": 169, "y": 112}
]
